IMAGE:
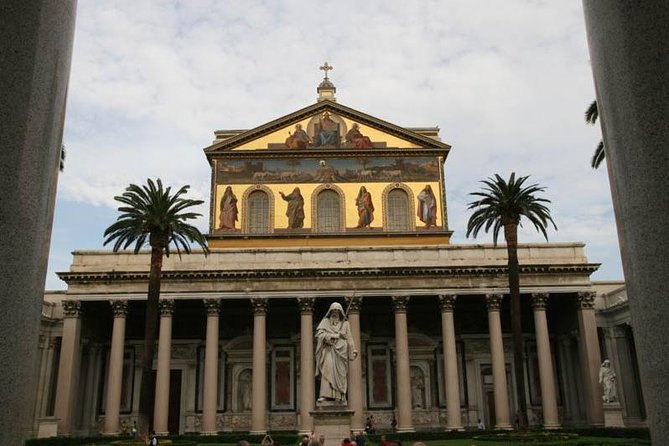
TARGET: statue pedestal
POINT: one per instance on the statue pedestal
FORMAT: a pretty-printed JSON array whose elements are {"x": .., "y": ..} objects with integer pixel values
[
  {"x": 332, "y": 419},
  {"x": 613, "y": 415}
]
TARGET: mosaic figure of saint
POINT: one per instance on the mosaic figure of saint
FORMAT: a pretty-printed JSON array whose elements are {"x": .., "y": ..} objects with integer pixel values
[
  {"x": 356, "y": 139},
  {"x": 295, "y": 210},
  {"x": 299, "y": 139},
  {"x": 365, "y": 208},
  {"x": 427, "y": 207},
  {"x": 328, "y": 134},
  {"x": 229, "y": 210}
]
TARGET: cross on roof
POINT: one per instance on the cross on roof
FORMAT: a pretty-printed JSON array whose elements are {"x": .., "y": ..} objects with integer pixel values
[{"x": 326, "y": 67}]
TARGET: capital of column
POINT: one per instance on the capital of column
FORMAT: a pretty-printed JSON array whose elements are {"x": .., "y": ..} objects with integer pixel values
[
  {"x": 494, "y": 301},
  {"x": 71, "y": 308},
  {"x": 447, "y": 302},
  {"x": 400, "y": 304},
  {"x": 539, "y": 301},
  {"x": 54, "y": 343},
  {"x": 586, "y": 299},
  {"x": 354, "y": 303},
  {"x": 212, "y": 306},
  {"x": 166, "y": 307},
  {"x": 306, "y": 304},
  {"x": 259, "y": 305},
  {"x": 119, "y": 307}
]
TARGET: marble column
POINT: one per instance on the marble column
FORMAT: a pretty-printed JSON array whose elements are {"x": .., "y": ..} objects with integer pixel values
[
  {"x": 403, "y": 386},
  {"x": 628, "y": 46},
  {"x": 590, "y": 357},
  {"x": 545, "y": 359},
  {"x": 307, "y": 395},
  {"x": 451, "y": 379},
  {"x": 210, "y": 394},
  {"x": 41, "y": 377},
  {"x": 36, "y": 46},
  {"x": 115, "y": 375},
  {"x": 355, "y": 393},
  {"x": 48, "y": 374},
  {"x": 259, "y": 376},
  {"x": 162, "y": 400},
  {"x": 68, "y": 368},
  {"x": 503, "y": 421}
]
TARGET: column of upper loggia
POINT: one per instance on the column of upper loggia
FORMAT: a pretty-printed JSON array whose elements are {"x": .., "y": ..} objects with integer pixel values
[
  {"x": 68, "y": 367},
  {"x": 259, "y": 376},
  {"x": 545, "y": 359},
  {"x": 162, "y": 398},
  {"x": 403, "y": 385},
  {"x": 502, "y": 419},
  {"x": 590, "y": 356},
  {"x": 355, "y": 394},
  {"x": 115, "y": 374},
  {"x": 454, "y": 419},
  {"x": 307, "y": 395},
  {"x": 210, "y": 394}
]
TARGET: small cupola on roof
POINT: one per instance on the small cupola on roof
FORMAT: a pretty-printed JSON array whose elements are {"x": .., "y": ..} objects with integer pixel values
[{"x": 326, "y": 89}]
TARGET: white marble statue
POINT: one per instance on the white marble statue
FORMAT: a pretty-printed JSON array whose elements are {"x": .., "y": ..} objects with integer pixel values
[
  {"x": 334, "y": 349},
  {"x": 417, "y": 388},
  {"x": 607, "y": 378}
]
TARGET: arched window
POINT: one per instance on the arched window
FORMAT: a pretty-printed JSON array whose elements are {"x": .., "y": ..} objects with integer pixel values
[
  {"x": 398, "y": 211},
  {"x": 258, "y": 212},
  {"x": 327, "y": 209}
]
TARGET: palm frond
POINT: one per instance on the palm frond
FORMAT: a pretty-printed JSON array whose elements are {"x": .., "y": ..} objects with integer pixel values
[
  {"x": 599, "y": 156},
  {"x": 592, "y": 113}
]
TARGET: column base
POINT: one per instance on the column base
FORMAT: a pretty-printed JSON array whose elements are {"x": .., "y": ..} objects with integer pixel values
[
  {"x": 162, "y": 434},
  {"x": 454, "y": 428},
  {"x": 503, "y": 427},
  {"x": 552, "y": 426},
  {"x": 399, "y": 430},
  {"x": 258, "y": 432},
  {"x": 303, "y": 432},
  {"x": 111, "y": 434},
  {"x": 209, "y": 433}
]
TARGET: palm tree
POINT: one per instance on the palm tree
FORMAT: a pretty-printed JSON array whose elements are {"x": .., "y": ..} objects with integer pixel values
[
  {"x": 591, "y": 116},
  {"x": 502, "y": 204},
  {"x": 154, "y": 215}
]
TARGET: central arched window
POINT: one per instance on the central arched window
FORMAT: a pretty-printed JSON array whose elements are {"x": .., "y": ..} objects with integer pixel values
[
  {"x": 328, "y": 209},
  {"x": 398, "y": 211},
  {"x": 258, "y": 212}
]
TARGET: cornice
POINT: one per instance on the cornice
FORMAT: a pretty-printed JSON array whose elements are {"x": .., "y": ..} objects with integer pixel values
[{"x": 399, "y": 271}]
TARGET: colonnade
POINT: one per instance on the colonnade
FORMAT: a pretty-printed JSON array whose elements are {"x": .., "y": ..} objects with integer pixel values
[{"x": 590, "y": 359}]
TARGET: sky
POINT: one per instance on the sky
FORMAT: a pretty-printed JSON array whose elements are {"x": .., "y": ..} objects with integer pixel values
[{"x": 507, "y": 82}]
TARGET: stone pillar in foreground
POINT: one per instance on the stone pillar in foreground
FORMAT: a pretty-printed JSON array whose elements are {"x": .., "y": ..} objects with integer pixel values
[
  {"x": 36, "y": 49},
  {"x": 355, "y": 394},
  {"x": 210, "y": 394},
  {"x": 113, "y": 400},
  {"x": 403, "y": 372},
  {"x": 161, "y": 404},
  {"x": 628, "y": 45},
  {"x": 545, "y": 359},
  {"x": 307, "y": 395},
  {"x": 68, "y": 368},
  {"x": 259, "y": 376},
  {"x": 590, "y": 357},
  {"x": 454, "y": 419},
  {"x": 502, "y": 421}
]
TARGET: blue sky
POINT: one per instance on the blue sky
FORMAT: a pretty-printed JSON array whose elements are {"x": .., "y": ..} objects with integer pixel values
[{"x": 506, "y": 82}]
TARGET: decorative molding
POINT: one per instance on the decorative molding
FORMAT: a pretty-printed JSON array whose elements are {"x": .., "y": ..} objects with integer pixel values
[
  {"x": 208, "y": 275},
  {"x": 400, "y": 304},
  {"x": 259, "y": 305},
  {"x": 494, "y": 301},
  {"x": 314, "y": 206},
  {"x": 166, "y": 307},
  {"x": 539, "y": 301},
  {"x": 245, "y": 206},
  {"x": 71, "y": 308},
  {"x": 306, "y": 304},
  {"x": 212, "y": 306},
  {"x": 119, "y": 307},
  {"x": 411, "y": 203},
  {"x": 354, "y": 303},
  {"x": 447, "y": 302},
  {"x": 586, "y": 299}
]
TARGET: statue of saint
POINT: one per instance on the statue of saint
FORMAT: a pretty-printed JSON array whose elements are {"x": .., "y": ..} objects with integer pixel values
[
  {"x": 295, "y": 211},
  {"x": 427, "y": 207},
  {"x": 334, "y": 349},
  {"x": 607, "y": 378},
  {"x": 228, "y": 210},
  {"x": 363, "y": 203}
]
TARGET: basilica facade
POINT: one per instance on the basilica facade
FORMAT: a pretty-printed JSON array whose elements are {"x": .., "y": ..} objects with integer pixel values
[{"x": 326, "y": 204}]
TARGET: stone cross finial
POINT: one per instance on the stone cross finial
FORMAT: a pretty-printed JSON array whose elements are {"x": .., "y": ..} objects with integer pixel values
[{"x": 326, "y": 67}]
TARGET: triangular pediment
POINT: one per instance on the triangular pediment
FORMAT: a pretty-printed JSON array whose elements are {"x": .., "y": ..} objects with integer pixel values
[{"x": 326, "y": 125}]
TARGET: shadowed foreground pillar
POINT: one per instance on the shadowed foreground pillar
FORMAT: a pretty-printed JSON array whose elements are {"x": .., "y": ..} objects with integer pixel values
[
  {"x": 502, "y": 419},
  {"x": 454, "y": 420},
  {"x": 35, "y": 52},
  {"x": 113, "y": 402},
  {"x": 590, "y": 357},
  {"x": 628, "y": 54},
  {"x": 68, "y": 368},
  {"x": 161, "y": 407}
]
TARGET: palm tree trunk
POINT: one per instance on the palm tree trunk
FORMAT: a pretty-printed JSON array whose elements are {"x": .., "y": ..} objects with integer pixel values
[
  {"x": 146, "y": 391},
  {"x": 511, "y": 236}
]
